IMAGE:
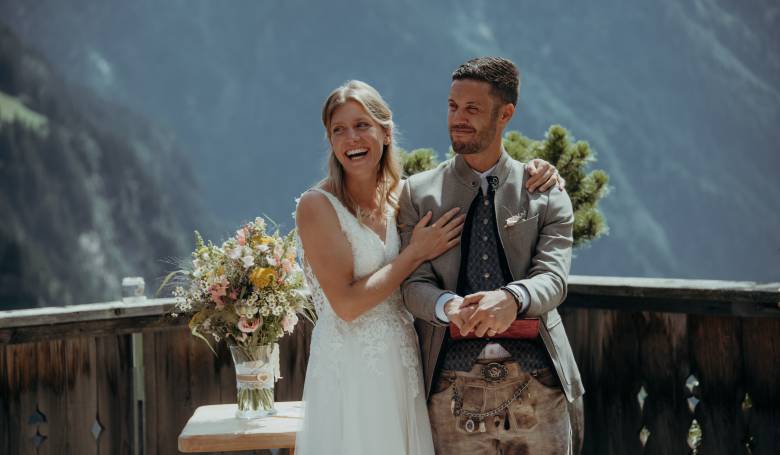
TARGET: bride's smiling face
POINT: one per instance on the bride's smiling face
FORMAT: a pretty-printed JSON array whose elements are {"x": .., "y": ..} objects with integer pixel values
[{"x": 356, "y": 139}]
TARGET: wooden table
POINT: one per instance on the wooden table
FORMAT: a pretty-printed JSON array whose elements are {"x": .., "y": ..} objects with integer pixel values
[{"x": 215, "y": 428}]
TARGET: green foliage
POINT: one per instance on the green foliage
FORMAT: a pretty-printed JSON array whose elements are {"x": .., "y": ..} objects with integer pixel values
[
  {"x": 519, "y": 147},
  {"x": 572, "y": 160},
  {"x": 417, "y": 160}
]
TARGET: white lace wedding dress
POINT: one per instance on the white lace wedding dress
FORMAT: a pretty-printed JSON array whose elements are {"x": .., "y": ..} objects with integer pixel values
[{"x": 363, "y": 388}]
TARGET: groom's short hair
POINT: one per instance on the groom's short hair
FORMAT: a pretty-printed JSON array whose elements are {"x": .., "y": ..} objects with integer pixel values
[{"x": 500, "y": 73}]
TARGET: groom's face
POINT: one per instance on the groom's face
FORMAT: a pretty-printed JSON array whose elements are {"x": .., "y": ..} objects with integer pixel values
[{"x": 473, "y": 116}]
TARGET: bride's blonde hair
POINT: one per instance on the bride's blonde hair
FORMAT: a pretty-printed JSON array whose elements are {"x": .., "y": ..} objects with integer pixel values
[{"x": 389, "y": 173}]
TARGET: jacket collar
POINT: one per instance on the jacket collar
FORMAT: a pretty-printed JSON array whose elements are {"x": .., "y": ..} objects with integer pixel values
[{"x": 469, "y": 177}]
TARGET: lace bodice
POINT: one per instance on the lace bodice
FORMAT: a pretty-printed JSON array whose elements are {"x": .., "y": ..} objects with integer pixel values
[{"x": 381, "y": 328}]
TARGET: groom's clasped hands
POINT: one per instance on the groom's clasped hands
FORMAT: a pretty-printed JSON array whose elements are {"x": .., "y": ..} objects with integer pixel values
[{"x": 485, "y": 313}]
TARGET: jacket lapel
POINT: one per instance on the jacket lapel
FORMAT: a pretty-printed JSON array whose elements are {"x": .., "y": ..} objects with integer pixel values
[{"x": 460, "y": 189}]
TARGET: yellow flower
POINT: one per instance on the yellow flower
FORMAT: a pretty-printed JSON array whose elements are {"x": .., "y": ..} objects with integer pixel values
[
  {"x": 262, "y": 277},
  {"x": 259, "y": 239}
]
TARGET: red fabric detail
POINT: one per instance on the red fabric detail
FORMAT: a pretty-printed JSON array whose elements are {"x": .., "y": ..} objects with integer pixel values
[{"x": 522, "y": 329}]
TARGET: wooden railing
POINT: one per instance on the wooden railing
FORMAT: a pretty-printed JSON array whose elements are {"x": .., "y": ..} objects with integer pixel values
[{"x": 667, "y": 364}]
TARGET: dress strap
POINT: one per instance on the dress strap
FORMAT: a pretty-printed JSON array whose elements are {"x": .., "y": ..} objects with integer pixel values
[{"x": 346, "y": 218}]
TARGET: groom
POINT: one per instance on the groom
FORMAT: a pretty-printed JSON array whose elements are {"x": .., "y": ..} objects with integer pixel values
[{"x": 498, "y": 369}]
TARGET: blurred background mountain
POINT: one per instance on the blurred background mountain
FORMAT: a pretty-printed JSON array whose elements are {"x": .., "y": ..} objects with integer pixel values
[
  {"x": 126, "y": 125},
  {"x": 90, "y": 191}
]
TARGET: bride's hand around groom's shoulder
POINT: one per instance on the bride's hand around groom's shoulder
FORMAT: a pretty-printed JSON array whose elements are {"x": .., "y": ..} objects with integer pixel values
[{"x": 543, "y": 176}]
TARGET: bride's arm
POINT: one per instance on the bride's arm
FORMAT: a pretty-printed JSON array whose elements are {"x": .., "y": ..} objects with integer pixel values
[{"x": 329, "y": 254}]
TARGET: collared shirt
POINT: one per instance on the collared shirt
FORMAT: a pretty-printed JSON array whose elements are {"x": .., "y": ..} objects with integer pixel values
[{"x": 483, "y": 178}]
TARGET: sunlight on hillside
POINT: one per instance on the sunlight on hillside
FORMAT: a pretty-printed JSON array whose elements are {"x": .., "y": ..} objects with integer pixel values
[{"x": 11, "y": 109}]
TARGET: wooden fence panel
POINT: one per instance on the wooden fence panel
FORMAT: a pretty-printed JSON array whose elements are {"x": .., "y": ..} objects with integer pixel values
[
  {"x": 716, "y": 360},
  {"x": 20, "y": 385},
  {"x": 63, "y": 369},
  {"x": 601, "y": 340},
  {"x": 115, "y": 394},
  {"x": 620, "y": 353},
  {"x": 81, "y": 367},
  {"x": 171, "y": 404},
  {"x": 761, "y": 360},
  {"x": 151, "y": 390},
  {"x": 52, "y": 394},
  {"x": 662, "y": 368}
]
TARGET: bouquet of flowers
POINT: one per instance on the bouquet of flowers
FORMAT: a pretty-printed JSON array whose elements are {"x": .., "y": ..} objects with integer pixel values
[{"x": 248, "y": 291}]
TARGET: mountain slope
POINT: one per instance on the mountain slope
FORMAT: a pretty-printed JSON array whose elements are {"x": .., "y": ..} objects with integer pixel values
[{"x": 89, "y": 192}]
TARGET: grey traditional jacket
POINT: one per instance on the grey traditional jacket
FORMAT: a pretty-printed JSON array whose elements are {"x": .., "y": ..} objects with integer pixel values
[{"x": 535, "y": 231}]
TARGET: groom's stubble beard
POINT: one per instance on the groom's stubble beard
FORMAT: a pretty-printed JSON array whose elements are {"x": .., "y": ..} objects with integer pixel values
[{"x": 481, "y": 142}]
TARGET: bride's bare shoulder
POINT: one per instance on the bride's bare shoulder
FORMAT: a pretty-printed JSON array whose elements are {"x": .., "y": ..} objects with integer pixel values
[
  {"x": 314, "y": 194},
  {"x": 318, "y": 222},
  {"x": 311, "y": 201},
  {"x": 311, "y": 195},
  {"x": 314, "y": 207}
]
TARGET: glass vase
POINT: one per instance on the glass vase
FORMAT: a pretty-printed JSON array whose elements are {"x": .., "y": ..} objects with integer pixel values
[{"x": 257, "y": 368}]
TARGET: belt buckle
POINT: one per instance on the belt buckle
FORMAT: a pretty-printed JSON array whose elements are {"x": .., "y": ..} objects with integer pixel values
[{"x": 494, "y": 372}]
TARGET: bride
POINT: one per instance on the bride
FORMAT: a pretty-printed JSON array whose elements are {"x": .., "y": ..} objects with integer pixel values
[{"x": 363, "y": 387}]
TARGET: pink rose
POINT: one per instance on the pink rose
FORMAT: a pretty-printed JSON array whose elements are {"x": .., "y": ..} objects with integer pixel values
[
  {"x": 248, "y": 326},
  {"x": 241, "y": 236},
  {"x": 217, "y": 291}
]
